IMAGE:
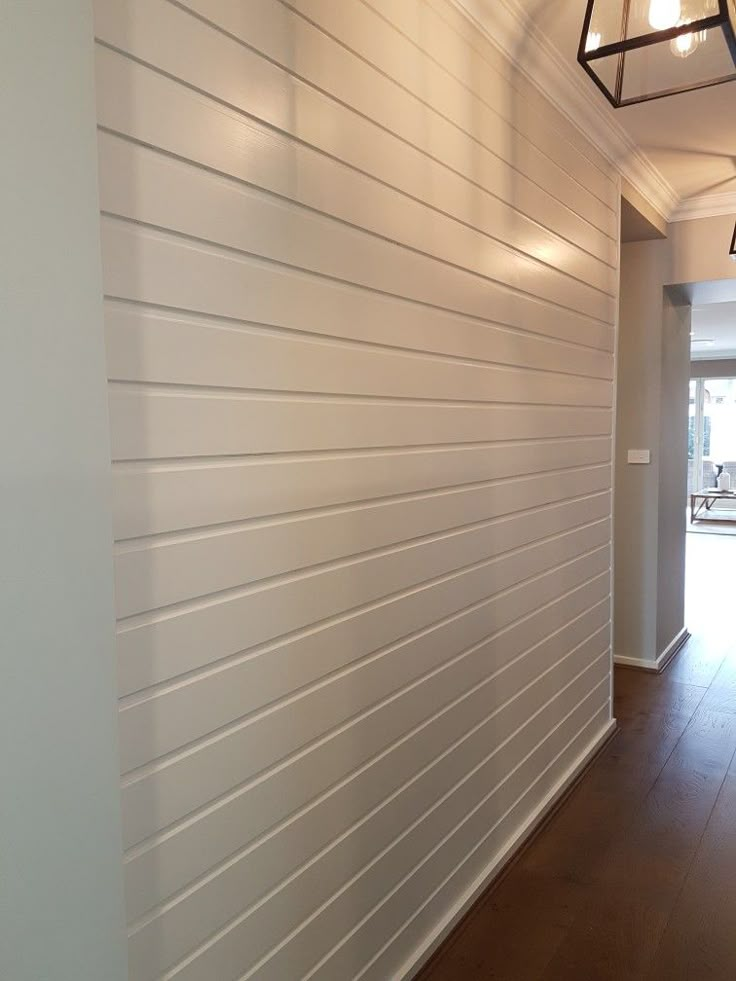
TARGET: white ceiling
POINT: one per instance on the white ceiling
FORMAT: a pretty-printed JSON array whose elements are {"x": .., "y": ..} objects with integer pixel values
[
  {"x": 690, "y": 138},
  {"x": 715, "y": 322}
]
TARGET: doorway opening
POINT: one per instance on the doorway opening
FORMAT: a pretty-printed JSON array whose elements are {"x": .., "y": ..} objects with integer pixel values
[{"x": 711, "y": 476}]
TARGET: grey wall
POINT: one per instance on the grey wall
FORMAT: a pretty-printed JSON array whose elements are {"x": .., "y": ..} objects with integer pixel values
[
  {"x": 674, "y": 383},
  {"x": 61, "y": 879},
  {"x": 637, "y": 426},
  {"x": 651, "y": 413}
]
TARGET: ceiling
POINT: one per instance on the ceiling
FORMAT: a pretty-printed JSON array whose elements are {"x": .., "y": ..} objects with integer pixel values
[
  {"x": 714, "y": 322},
  {"x": 690, "y": 138}
]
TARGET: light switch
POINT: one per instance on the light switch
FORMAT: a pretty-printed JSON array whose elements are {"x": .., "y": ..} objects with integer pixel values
[{"x": 640, "y": 456}]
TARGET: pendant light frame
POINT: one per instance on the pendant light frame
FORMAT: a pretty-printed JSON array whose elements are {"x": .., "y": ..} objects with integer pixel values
[
  {"x": 732, "y": 252},
  {"x": 723, "y": 20}
]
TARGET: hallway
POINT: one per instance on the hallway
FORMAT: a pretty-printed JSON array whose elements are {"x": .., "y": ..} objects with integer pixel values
[{"x": 633, "y": 877}]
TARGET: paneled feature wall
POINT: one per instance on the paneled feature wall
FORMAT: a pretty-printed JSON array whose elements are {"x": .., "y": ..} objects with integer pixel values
[{"x": 360, "y": 293}]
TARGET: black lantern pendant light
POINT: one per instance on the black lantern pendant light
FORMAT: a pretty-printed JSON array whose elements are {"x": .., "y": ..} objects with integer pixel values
[
  {"x": 732, "y": 253},
  {"x": 635, "y": 50}
]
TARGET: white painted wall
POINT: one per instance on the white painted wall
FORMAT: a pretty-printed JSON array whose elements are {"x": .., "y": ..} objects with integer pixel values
[
  {"x": 361, "y": 290},
  {"x": 61, "y": 896}
]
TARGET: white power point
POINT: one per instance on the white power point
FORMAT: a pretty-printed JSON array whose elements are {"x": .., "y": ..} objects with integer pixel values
[{"x": 640, "y": 456}]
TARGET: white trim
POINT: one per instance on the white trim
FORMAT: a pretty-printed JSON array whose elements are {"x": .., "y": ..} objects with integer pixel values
[
  {"x": 636, "y": 662},
  {"x": 705, "y": 206},
  {"x": 662, "y": 661},
  {"x": 510, "y": 29},
  {"x": 484, "y": 880}
]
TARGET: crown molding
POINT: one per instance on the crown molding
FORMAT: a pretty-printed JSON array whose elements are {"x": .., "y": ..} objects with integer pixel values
[
  {"x": 510, "y": 29},
  {"x": 706, "y": 206}
]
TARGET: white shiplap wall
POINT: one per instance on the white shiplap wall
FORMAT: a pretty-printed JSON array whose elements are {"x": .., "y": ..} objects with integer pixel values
[{"x": 360, "y": 289}]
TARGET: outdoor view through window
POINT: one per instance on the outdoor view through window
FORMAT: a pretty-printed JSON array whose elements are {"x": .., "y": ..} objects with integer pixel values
[{"x": 712, "y": 432}]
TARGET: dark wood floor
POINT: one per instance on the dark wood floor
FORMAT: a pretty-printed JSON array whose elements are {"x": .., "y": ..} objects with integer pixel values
[{"x": 635, "y": 876}]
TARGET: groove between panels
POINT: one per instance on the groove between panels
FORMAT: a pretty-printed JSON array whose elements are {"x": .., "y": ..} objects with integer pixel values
[
  {"x": 161, "y": 389},
  {"x": 167, "y": 464},
  {"x": 157, "y": 464}
]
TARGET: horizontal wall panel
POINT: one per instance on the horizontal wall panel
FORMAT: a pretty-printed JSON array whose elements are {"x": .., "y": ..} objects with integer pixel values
[
  {"x": 164, "y": 572},
  {"x": 166, "y": 351},
  {"x": 230, "y": 143},
  {"x": 451, "y": 862},
  {"x": 155, "y": 424},
  {"x": 360, "y": 299},
  {"x": 262, "y": 804},
  {"x": 442, "y": 29},
  {"x": 318, "y": 936},
  {"x": 163, "y": 269},
  {"x": 156, "y": 346},
  {"x": 167, "y": 866},
  {"x": 251, "y": 936},
  {"x": 355, "y": 632},
  {"x": 159, "y": 795},
  {"x": 204, "y": 703},
  {"x": 151, "y": 344},
  {"x": 152, "y": 498},
  {"x": 491, "y": 851},
  {"x": 157, "y": 646},
  {"x": 277, "y": 670},
  {"x": 410, "y": 43},
  {"x": 170, "y": 39},
  {"x": 169, "y": 862},
  {"x": 174, "y": 195},
  {"x": 151, "y": 731},
  {"x": 202, "y": 911},
  {"x": 308, "y": 53}
]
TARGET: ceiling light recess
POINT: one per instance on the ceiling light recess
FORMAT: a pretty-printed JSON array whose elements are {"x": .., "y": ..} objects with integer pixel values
[{"x": 636, "y": 50}]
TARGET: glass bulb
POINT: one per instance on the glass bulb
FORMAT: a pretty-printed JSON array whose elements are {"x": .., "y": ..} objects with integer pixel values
[
  {"x": 684, "y": 45},
  {"x": 664, "y": 14}
]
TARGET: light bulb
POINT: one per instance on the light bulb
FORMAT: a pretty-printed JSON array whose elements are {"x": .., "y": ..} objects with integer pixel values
[
  {"x": 593, "y": 41},
  {"x": 664, "y": 14},
  {"x": 684, "y": 45}
]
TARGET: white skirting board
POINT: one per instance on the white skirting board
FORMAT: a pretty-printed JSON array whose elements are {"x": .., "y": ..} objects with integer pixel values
[
  {"x": 677, "y": 642},
  {"x": 485, "y": 879}
]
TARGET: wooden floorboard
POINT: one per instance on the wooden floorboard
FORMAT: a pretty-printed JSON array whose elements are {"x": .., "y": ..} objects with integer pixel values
[{"x": 633, "y": 877}]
